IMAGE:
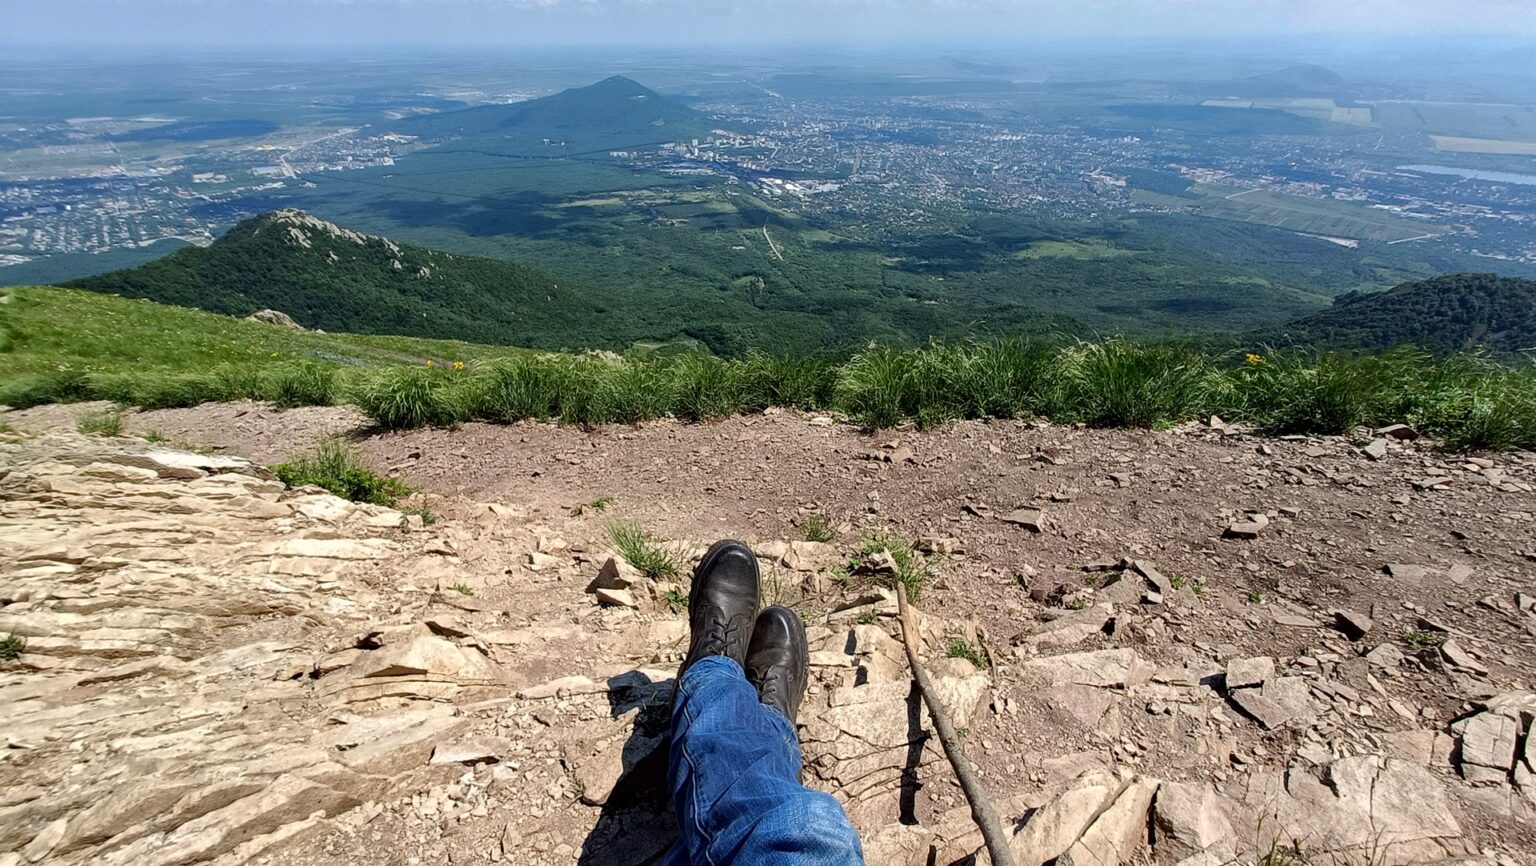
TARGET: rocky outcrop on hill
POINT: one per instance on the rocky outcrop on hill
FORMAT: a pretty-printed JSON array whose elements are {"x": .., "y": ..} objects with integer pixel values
[{"x": 274, "y": 317}]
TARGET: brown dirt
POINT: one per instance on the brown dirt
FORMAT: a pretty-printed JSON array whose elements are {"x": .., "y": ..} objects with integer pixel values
[{"x": 1337, "y": 520}]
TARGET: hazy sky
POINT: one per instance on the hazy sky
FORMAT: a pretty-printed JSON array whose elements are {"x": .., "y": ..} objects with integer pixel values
[{"x": 689, "y": 22}]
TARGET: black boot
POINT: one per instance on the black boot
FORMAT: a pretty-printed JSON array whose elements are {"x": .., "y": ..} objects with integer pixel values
[
  {"x": 778, "y": 662},
  {"x": 722, "y": 604}
]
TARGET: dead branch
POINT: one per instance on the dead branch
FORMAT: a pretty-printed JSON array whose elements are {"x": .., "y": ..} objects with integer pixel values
[{"x": 982, "y": 810}]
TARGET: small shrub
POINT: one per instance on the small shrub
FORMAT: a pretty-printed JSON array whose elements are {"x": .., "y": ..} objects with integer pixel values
[
  {"x": 11, "y": 647},
  {"x": 409, "y": 397},
  {"x": 675, "y": 599},
  {"x": 1422, "y": 638},
  {"x": 959, "y": 648},
  {"x": 337, "y": 468},
  {"x": 644, "y": 551},
  {"x": 240, "y": 382},
  {"x": 107, "y": 422}
]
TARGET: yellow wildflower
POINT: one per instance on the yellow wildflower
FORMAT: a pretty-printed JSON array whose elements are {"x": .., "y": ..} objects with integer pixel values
[
  {"x": 1255, "y": 360},
  {"x": 429, "y": 362},
  {"x": 458, "y": 365}
]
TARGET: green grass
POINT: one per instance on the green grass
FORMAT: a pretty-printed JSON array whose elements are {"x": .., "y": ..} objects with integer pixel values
[
  {"x": 107, "y": 422},
  {"x": 57, "y": 331},
  {"x": 406, "y": 397},
  {"x": 1466, "y": 402},
  {"x": 427, "y": 515},
  {"x": 818, "y": 528},
  {"x": 914, "y": 569},
  {"x": 960, "y": 648},
  {"x": 337, "y": 468},
  {"x": 644, "y": 551},
  {"x": 11, "y": 647},
  {"x": 598, "y": 505}
]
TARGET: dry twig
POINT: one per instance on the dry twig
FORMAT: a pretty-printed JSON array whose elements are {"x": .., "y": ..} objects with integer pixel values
[{"x": 982, "y": 810}]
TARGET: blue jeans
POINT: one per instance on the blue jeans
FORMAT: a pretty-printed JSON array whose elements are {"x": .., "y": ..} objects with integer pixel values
[{"x": 734, "y": 772}]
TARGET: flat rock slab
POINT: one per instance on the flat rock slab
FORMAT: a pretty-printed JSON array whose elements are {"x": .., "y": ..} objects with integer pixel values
[
  {"x": 1488, "y": 743},
  {"x": 1246, "y": 673},
  {"x": 1109, "y": 669},
  {"x": 1280, "y": 701},
  {"x": 1029, "y": 518}
]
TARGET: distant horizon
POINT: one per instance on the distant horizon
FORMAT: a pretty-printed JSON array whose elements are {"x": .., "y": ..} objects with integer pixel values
[{"x": 265, "y": 25}]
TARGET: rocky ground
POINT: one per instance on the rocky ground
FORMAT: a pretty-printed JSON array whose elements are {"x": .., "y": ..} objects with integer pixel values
[{"x": 1198, "y": 646}]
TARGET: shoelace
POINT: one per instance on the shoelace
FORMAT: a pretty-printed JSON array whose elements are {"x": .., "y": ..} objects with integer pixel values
[
  {"x": 771, "y": 689},
  {"x": 717, "y": 631}
]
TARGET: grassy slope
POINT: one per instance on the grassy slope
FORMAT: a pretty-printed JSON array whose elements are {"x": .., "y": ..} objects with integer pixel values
[
  {"x": 61, "y": 345},
  {"x": 45, "y": 329}
]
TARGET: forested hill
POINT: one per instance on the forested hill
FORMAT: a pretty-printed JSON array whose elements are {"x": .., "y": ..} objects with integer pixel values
[
  {"x": 335, "y": 279},
  {"x": 1444, "y": 314}
]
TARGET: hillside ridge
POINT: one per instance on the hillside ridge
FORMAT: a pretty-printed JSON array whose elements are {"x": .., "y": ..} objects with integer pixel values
[
  {"x": 338, "y": 279},
  {"x": 1445, "y": 314}
]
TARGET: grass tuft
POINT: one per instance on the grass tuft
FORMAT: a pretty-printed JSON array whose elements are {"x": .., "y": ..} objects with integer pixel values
[
  {"x": 302, "y": 385},
  {"x": 818, "y": 528},
  {"x": 644, "y": 551},
  {"x": 1117, "y": 383},
  {"x": 107, "y": 422},
  {"x": 599, "y": 504},
  {"x": 409, "y": 397},
  {"x": 960, "y": 648},
  {"x": 11, "y": 647},
  {"x": 334, "y": 466},
  {"x": 913, "y": 569}
]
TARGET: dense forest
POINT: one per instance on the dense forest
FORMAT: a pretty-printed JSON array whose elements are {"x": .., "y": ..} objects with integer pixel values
[{"x": 1445, "y": 314}]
